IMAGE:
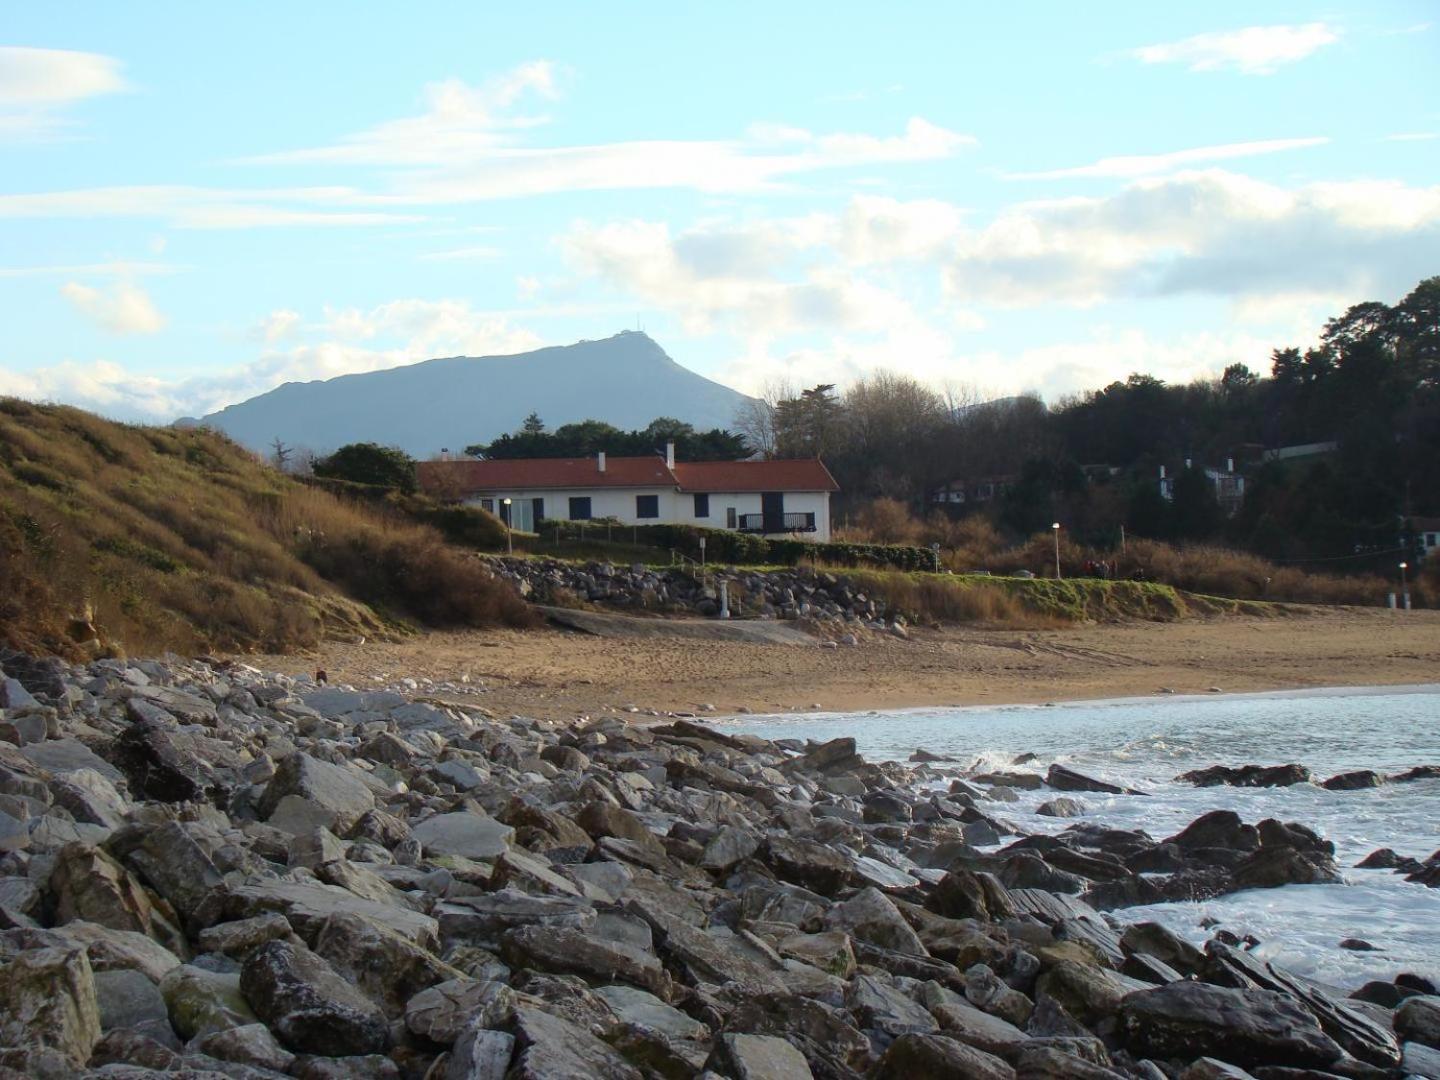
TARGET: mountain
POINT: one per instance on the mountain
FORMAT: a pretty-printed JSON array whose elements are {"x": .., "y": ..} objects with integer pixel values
[{"x": 626, "y": 380}]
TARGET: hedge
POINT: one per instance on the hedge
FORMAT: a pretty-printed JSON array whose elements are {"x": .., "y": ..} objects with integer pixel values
[{"x": 748, "y": 549}]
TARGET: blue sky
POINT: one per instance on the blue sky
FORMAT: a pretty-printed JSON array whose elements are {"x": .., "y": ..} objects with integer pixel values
[{"x": 198, "y": 203}]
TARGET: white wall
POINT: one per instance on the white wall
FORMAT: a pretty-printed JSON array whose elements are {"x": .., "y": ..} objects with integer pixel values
[{"x": 676, "y": 508}]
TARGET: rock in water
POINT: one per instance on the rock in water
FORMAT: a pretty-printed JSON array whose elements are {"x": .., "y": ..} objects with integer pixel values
[
  {"x": 1248, "y": 776},
  {"x": 310, "y": 1007},
  {"x": 1063, "y": 779}
]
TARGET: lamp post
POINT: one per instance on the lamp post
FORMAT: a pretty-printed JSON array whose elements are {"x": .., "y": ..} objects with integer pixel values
[
  {"x": 1056, "y": 530},
  {"x": 1404, "y": 595},
  {"x": 509, "y": 529}
]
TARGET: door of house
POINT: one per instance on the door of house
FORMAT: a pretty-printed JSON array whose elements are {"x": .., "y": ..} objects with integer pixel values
[
  {"x": 772, "y": 511},
  {"x": 537, "y": 513}
]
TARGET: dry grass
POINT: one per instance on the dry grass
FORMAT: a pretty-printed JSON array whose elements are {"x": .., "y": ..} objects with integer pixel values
[
  {"x": 973, "y": 543},
  {"x": 153, "y": 538}
]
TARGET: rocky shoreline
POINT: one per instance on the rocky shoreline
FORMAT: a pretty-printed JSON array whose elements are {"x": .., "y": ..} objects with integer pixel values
[{"x": 208, "y": 871}]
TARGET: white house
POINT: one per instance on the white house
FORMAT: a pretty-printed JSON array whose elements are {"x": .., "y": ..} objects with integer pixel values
[{"x": 769, "y": 498}]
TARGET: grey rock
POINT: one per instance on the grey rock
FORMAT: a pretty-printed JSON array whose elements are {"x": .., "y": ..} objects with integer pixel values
[
  {"x": 917, "y": 1055},
  {"x": 335, "y": 789},
  {"x": 758, "y": 1057},
  {"x": 552, "y": 1048},
  {"x": 471, "y": 836},
  {"x": 127, "y": 998},
  {"x": 47, "y": 1003},
  {"x": 480, "y": 1054},
  {"x": 201, "y": 1001},
  {"x": 1243, "y": 1027},
  {"x": 1418, "y": 1020},
  {"x": 250, "y": 1044},
  {"x": 309, "y": 1005},
  {"x": 1061, "y": 808}
]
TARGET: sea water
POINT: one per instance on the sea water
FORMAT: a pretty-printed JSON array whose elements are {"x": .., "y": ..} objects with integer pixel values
[{"x": 1146, "y": 743}]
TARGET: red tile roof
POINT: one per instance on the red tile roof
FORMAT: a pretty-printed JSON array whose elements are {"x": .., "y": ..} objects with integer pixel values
[
  {"x": 521, "y": 474},
  {"x": 800, "y": 474},
  {"x": 525, "y": 473}
]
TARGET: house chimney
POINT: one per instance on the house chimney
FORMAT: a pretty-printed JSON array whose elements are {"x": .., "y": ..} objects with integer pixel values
[
  {"x": 1229, "y": 464},
  {"x": 444, "y": 453},
  {"x": 669, "y": 455},
  {"x": 601, "y": 460}
]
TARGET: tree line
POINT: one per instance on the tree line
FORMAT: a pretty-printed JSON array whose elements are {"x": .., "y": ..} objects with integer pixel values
[
  {"x": 589, "y": 437},
  {"x": 1370, "y": 386}
]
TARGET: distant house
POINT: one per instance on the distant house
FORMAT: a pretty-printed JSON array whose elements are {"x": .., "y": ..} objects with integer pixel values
[
  {"x": 1301, "y": 451},
  {"x": 1227, "y": 485},
  {"x": 1427, "y": 535},
  {"x": 768, "y": 498},
  {"x": 969, "y": 492}
]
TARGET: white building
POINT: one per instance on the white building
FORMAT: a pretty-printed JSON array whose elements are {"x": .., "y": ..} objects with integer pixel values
[{"x": 769, "y": 498}]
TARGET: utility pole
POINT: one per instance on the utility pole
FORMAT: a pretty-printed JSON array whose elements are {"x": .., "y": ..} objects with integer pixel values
[{"x": 1056, "y": 529}]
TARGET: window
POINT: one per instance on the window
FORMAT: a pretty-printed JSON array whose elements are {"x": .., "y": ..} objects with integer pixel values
[
  {"x": 580, "y": 508},
  {"x": 732, "y": 520},
  {"x": 647, "y": 506},
  {"x": 488, "y": 505},
  {"x": 702, "y": 506}
]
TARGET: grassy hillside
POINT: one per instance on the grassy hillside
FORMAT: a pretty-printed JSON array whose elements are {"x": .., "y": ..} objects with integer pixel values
[{"x": 152, "y": 538}]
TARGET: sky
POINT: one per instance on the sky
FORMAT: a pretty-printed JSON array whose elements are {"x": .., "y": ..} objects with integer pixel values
[{"x": 199, "y": 202}]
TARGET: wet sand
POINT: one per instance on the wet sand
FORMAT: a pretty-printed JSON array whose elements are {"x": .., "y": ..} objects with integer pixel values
[{"x": 559, "y": 674}]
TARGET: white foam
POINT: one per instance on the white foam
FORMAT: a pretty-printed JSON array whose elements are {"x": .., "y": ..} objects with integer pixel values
[{"x": 1146, "y": 743}]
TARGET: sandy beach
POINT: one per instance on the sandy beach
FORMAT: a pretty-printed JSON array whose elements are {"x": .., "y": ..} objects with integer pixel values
[{"x": 556, "y": 674}]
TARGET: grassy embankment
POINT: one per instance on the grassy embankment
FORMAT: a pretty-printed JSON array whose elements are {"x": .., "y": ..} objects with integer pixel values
[
  {"x": 1013, "y": 601},
  {"x": 144, "y": 539}
]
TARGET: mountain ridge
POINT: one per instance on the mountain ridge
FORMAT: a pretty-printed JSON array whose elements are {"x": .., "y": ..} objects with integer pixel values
[{"x": 449, "y": 402}]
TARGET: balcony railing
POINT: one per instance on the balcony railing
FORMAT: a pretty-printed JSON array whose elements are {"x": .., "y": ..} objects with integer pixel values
[{"x": 777, "y": 523}]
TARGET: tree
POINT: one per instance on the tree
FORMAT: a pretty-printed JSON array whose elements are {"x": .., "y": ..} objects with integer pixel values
[
  {"x": 1236, "y": 379},
  {"x": 369, "y": 463},
  {"x": 808, "y": 426},
  {"x": 533, "y": 425},
  {"x": 280, "y": 454}
]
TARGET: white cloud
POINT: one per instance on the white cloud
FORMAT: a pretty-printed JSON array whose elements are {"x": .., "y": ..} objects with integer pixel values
[
  {"x": 347, "y": 341},
  {"x": 468, "y": 145},
  {"x": 123, "y": 308},
  {"x": 1212, "y": 232},
  {"x": 460, "y": 121},
  {"x": 277, "y": 326},
  {"x": 35, "y": 84},
  {"x": 465, "y": 146},
  {"x": 1254, "y": 50},
  {"x": 1135, "y": 165}
]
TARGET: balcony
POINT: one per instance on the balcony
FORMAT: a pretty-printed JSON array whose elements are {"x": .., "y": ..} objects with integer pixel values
[{"x": 777, "y": 523}]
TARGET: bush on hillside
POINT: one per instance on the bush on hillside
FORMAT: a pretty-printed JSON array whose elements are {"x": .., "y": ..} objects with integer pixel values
[{"x": 369, "y": 463}]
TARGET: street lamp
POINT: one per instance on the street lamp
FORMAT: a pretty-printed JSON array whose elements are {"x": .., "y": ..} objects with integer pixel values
[
  {"x": 1056, "y": 530},
  {"x": 509, "y": 529},
  {"x": 1404, "y": 596}
]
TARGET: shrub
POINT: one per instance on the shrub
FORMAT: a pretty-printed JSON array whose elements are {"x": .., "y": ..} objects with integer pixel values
[{"x": 370, "y": 463}]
